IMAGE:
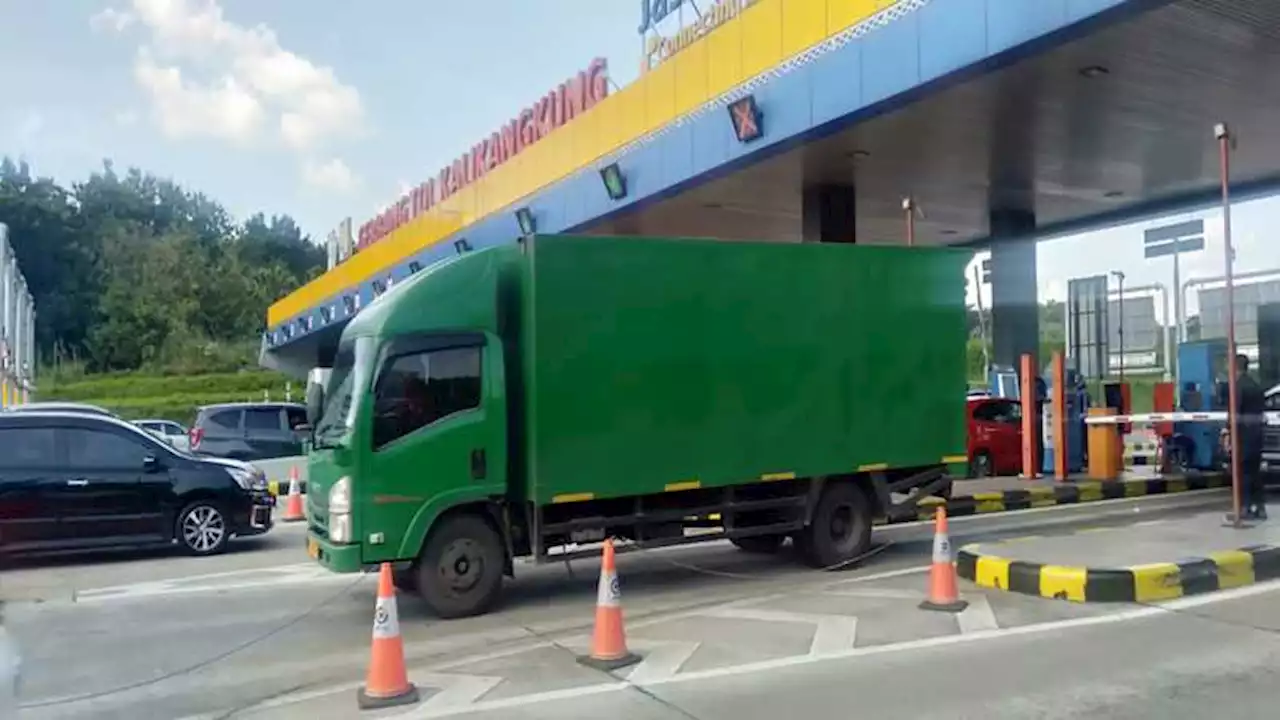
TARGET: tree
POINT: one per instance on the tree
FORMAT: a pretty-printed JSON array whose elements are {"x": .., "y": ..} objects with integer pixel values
[{"x": 132, "y": 270}]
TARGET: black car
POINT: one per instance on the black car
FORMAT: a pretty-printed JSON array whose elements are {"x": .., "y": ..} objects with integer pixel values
[
  {"x": 250, "y": 431},
  {"x": 76, "y": 481}
]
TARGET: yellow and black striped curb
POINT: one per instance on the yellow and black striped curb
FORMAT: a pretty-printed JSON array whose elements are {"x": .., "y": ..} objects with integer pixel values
[
  {"x": 1152, "y": 582},
  {"x": 1069, "y": 493},
  {"x": 281, "y": 487}
]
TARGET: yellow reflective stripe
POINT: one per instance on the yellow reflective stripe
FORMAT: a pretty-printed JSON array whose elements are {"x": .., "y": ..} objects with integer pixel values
[
  {"x": 573, "y": 497},
  {"x": 778, "y": 476},
  {"x": 955, "y": 459},
  {"x": 684, "y": 485},
  {"x": 869, "y": 467}
]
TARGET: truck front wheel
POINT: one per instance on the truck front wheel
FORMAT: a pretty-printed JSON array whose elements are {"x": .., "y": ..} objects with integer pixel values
[
  {"x": 841, "y": 527},
  {"x": 460, "y": 571}
]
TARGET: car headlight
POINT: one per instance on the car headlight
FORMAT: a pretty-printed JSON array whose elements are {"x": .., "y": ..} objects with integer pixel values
[
  {"x": 340, "y": 497},
  {"x": 340, "y": 528},
  {"x": 247, "y": 479}
]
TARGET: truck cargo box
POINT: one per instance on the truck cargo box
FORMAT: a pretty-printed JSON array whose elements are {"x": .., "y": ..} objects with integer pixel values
[{"x": 652, "y": 365}]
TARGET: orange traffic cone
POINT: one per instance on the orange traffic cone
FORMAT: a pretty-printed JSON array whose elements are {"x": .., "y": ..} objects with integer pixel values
[
  {"x": 609, "y": 640},
  {"x": 943, "y": 594},
  {"x": 293, "y": 505},
  {"x": 387, "y": 684}
]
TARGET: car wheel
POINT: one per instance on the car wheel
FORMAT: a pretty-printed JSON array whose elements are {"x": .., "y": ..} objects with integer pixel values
[
  {"x": 841, "y": 527},
  {"x": 460, "y": 571},
  {"x": 981, "y": 466},
  {"x": 202, "y": 528}
]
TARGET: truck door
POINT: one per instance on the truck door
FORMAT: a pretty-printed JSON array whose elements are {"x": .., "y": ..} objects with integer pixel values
[{"x": 434, "y": 433}]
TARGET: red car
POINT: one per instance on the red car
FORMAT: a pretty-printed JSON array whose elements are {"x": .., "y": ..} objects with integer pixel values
[{"x": 995, "y": 436}]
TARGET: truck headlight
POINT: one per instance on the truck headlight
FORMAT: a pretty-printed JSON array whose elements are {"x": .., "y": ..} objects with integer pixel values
[
  {"x": 340, "y": 497},
  {"x": 340, "y": 528}
]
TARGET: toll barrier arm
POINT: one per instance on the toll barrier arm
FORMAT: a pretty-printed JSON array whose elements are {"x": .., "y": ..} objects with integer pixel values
[{"x": 1272, "y": 418}]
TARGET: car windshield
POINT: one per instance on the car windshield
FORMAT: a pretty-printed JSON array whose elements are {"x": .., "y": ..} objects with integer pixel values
[{"x": 350, "y": 373}]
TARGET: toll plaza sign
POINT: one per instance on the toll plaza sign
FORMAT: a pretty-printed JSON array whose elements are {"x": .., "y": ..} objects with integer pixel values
[
  {"x": 567, "y": 101},
  {"x": 659, "y": 48}
]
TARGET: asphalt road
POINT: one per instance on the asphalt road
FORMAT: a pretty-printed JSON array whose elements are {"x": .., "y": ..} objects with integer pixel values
[{"x": 260, "y": 632}]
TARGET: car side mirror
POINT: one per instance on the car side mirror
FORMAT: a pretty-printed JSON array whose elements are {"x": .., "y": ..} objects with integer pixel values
[{"x": 151, "y": 464}]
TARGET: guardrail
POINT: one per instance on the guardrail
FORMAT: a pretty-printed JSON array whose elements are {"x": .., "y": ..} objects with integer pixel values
[{"x": 1272, "y": 418}]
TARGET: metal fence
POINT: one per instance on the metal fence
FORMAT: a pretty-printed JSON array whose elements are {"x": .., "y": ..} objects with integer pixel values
[{"x": 17, "y": 329}]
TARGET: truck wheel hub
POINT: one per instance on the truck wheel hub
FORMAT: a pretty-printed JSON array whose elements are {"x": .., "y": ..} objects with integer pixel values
[
  {"x": 841, "y": 521},
  {"x": 461, "y": 565}
]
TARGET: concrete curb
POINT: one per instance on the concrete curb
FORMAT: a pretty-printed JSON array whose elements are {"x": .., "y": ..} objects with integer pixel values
[
  {"x": 1073, "y": 493},
  {"x": 1148, "y": 583}
]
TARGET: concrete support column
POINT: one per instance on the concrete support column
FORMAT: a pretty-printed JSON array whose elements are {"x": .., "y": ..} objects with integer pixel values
[
  {"x": 829, "y": 214},
  {"x": 1015, "y": 312}
]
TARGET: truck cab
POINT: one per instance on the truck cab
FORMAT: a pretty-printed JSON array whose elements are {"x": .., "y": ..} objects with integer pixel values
[{"x": 410, "y": 426}]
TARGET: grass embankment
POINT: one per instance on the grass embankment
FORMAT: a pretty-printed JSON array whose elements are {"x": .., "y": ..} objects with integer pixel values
[{"x": 175, "y": 397}]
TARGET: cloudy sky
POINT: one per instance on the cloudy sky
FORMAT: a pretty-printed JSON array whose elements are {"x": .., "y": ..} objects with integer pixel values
[{"x": 328, "y": 108}]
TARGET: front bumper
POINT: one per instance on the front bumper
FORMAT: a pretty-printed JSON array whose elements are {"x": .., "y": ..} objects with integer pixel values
[
  {"x": 255, "y": 516},
  {"x": 337, "y": 558}
]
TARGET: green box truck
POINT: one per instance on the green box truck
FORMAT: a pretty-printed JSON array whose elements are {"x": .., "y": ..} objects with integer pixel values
[{"x": 524, "y": 400}]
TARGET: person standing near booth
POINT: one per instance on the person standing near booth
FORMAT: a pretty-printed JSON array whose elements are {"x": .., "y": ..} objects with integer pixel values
[{"x": 1252, "y": 425}]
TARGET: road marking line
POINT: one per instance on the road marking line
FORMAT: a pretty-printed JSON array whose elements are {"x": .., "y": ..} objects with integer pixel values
[
  {"x": 877, "y": 594},
  {"x": 661, "y": 660},
  {"x": 455, "y": 690},
  {"x": 795, "y": 660},
  {"x": 978, "y": 616},
  {"x": 832, "y": 633},
  {"x": 181, "y": 586}
]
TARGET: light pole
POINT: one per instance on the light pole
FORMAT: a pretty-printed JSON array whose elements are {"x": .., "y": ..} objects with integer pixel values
[
  {"x": 1120, "y": 277},
  {"x": 1225, "y": 141},
  {"x": 908, "y": 207}
]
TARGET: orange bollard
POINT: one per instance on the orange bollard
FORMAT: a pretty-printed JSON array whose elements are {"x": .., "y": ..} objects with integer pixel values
[
  {"x": 293, "y": 505},
  {"x": 609, "y": 640},
  {"x": 387, "y": 684},
  {"x": 943, "y": 593}
]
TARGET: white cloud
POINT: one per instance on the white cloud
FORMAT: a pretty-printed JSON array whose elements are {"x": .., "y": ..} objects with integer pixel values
[
  {"x": 111, "y": 19},
  {"x": 208, "y": 76},
  {"x": 332, "y": 175},
  {"x": 225, "y": 110}
]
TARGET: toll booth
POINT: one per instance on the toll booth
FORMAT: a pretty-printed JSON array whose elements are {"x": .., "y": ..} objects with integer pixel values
[
  {"x": 1203, "y": 375},
  {"x": 1076, "y": 398},
  {"x": 1003, "y": 381}
]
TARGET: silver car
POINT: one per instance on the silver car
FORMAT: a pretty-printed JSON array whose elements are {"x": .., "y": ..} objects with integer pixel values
[{"x": 169, "y": 431}]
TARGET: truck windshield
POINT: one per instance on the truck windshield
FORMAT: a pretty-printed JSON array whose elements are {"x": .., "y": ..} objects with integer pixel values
[{"x": 350, "y": 375}]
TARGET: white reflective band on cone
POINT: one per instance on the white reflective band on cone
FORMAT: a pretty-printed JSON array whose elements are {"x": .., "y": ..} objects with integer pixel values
[
  {"x": 608, "y": 593},
  {"x": 385, "y": 622},
  {"x": 941, "y": 548}
]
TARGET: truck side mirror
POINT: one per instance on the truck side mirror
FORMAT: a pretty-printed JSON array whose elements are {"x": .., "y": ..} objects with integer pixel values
[{"x": 315, "y": 403}]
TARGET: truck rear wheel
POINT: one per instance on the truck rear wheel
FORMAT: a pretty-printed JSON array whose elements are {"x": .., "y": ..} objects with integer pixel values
[
  {"x": 841, "y": 527},
  {"x": 460, "y": 571}
]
